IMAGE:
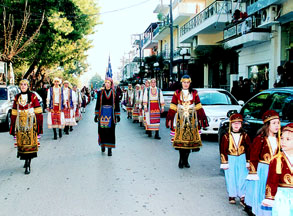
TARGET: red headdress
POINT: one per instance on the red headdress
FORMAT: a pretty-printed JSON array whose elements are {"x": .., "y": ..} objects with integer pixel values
[
  {"x": 270, "y": 115},
  {"x": 111, "y": 80}
]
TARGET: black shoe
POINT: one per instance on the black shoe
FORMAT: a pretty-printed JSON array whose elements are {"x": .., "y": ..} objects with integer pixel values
[
  {"x": 55, "y": 137},
  {"x": 70, "y": 128},
  {"x": 27, "y": 170},
  {"x": 157, "y": 135},
  {"x": 103, "y": 149},
  {"x": 109, "y": 152},
  {"x": 187, "y": 165},
  {"x": 149, "y": 134}
]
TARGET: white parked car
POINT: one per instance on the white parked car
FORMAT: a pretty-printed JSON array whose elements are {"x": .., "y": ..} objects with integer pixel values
[{"x": 216, "y": 103}]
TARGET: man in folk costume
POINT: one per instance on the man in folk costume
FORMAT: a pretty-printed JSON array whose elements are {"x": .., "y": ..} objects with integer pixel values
[
  {"x": 129, "y": 101},
  {"x": 107, "y": 114},
  {"x": 147, "y": 85},
  {"x": 279, "y": 187},
  {"x": 234, "y": 150},
  {"x": 26, "y": 124},
  {"x": 185, "y": 118},
  {"x": 68, "y": 107},
  {"x": 136, "y": 102},
  {"x": 153, "y": 102},
  {"x": 76, "y": 98},
  {"x": 140, "y": 118},
  {"x": 55, "y": 108}
]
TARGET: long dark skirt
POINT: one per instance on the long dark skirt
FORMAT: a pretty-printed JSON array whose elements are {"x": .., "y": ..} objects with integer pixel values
[{"x": 107, "y": 136}]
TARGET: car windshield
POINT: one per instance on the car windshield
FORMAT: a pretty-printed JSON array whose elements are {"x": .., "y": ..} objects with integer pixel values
[
  {"x": 3, "y": 94},
  {"x": 216, "y": 98}
]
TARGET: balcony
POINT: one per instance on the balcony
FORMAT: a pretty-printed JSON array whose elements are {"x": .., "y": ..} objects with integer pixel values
[
  {"x": 162, "y": 30},
  {"x": 211, "y": 20},
  {"x": 261, "y": 4},
  {"x": 183, "y": 11},
  {"x": 177, "y": 56},
  {"x": 245, "y": 34}
]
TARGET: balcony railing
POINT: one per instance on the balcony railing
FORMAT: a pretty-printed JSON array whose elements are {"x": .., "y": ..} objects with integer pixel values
[
  {"x": 216, "y": 8},
  {"x": 165, "y": 23}
]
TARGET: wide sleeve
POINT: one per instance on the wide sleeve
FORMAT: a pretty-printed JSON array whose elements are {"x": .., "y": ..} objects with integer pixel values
[
  {"x": 38, "y": 112},
  {"x": 224, "y": 146},
  {"x": 272, "y": 180},
  {"x": 162, "y": 101},
  {"x": 48, "y": 98},
  {"x": 172, "y": 110},
  {"x": 97, "y": 109},
  {"x": 13, "y": 117},
  {"x": 117, "y": 106},
  {"x": 254, "y": 154},
  {"x": 145, "y": 98},
  {"x": 201, "y": 116}
]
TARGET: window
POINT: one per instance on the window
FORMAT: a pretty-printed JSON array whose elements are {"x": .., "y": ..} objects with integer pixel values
[
  {"x": 282, "y": 104},
  {"x": 255, "y": 107},
  {"x": 216, "y": 98},
  {"x": 3, "y": 94}
]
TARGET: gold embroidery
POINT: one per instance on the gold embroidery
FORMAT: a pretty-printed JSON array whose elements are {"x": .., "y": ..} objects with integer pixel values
[
  {"x": 252, "y": 168},
  {"x": 223, "y": 159},
  {"x": 14, "y": 112},
  {"x": 288, "y": 179},
  {"x": 241, "y": 150},
  {"x": 267, "y": 157},
  {"x": 38, "y": 110},
  {"x": 198, "y": 106},
  {"x": 173, "y": 107}
]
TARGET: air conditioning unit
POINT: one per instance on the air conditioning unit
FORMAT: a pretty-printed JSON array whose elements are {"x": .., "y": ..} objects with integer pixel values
[{"x": 268, "y": 16}]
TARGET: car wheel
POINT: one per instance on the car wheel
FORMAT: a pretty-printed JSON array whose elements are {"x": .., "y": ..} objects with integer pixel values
[{"x": 8, "y": 121}]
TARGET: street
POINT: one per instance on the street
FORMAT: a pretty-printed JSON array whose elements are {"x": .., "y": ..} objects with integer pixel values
[{"x": 71, "y": 177}]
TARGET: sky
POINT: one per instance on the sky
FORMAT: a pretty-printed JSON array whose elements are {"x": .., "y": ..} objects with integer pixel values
[{"x": 113, "y": 36}]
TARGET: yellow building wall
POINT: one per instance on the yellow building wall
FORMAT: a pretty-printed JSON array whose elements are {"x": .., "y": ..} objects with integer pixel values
[
  {"x": 287, "y": 7},
  {"x": 210, "y": 39}
]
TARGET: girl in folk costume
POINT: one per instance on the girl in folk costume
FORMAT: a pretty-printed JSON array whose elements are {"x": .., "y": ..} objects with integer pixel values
[
  {"x": 279, "y": 188},
  {"x": 55, "y": 108},
  {"x": 140, "y": 118},
  {"x": 129, "y": 101},
  {"x": 153, "y": 102},
  {"x": 263, "y": 149},
  {"x": 26, "y": 124},
  {"x": 234, "y": 150},
  {"x": 107, "y": 114},
  {"x": 136, "y": 102},
  {"x": 68, "y": 108},
  {"x": 185, "y": 117}
]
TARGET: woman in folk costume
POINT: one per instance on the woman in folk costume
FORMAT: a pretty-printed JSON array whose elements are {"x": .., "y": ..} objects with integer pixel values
[
  {"x": 136, "y": 102},
  {"x": 279, "y": 188},
  {"x": 68, "y": 107},
  {"x": 129, "y": 101},
  {"x": 153, "y": 103},
  {"x": 264, "y": 147},
  {"x": 147, "y": 85},
  {"x": 55, "y": 108},
  {"x": 185, "y": 117},
  {"x": 26, "y": 124},
  {"x": 76, "y": 99},
  {"x": 234, "y": 150},
  {"x": 140, "y": 118},
  {"x": 107, "y": 114}
]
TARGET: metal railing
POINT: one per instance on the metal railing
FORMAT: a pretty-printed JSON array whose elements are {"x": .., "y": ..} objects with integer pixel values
[{"x": 216, "y": 8}]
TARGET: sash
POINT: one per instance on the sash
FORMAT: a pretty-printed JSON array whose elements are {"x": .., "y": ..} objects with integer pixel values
[
  {"x": 106, "y": 116},
  {"x": 154, "y": 112}
]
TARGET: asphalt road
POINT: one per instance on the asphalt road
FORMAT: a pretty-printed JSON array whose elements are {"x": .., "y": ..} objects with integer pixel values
[{"x": 71, "y": 177}]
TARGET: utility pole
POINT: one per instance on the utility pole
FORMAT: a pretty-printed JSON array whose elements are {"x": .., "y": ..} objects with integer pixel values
[{"x": 171, "y": 41}]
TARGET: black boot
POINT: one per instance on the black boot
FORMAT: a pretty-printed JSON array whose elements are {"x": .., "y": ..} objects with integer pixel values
[
  {"x": 28, "y": 167},
  {"x": 180, "y": 164},
  {"x": 55, "y": 133},
  {"x": 149, "y": 133},
  {"x": 66, "y": 130},
  {"x": 109, "y": 152},
  {"x": 157, "y": 135},
  {"x": 186, "y": 164},
  {"x": 25, "y": 164},
  {"x": 60, "y": 133},
  {"x": 70, "y": 128},
  {"x": 103, "y": 149}
]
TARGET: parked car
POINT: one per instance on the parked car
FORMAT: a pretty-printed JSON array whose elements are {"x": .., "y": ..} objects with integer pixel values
[
  {"x": 278, "y": 99},
  {"x": 7, "y": 95},
  {"x": 216, "y": 103}
]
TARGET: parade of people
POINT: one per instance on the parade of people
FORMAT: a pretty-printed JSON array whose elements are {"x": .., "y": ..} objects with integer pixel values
[{"x": 146, "y": 108}]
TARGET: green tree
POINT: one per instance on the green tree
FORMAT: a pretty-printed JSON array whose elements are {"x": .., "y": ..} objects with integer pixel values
[{"x": 96, "y": 81}]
